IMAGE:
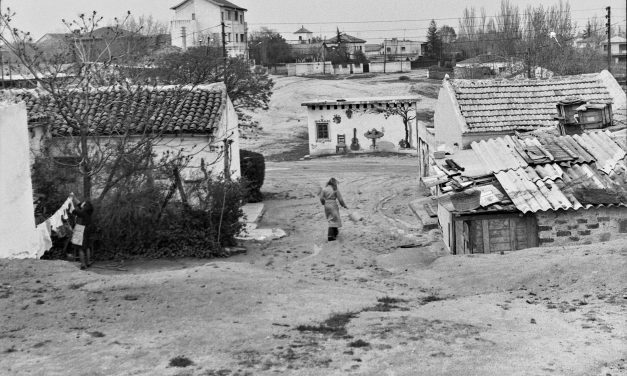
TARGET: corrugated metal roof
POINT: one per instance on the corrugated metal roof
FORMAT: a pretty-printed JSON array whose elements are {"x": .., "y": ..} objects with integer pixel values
[
  {"x": 551, "y": 187},
  {"x": 506, "y": 153}
]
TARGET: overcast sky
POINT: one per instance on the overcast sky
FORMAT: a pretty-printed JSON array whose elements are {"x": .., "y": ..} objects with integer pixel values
[{"x": 372, "y": 20}]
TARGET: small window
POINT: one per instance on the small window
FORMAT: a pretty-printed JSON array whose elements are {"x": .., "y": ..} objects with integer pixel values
[
  {"x": 235, "y": 15},
  {"x": 241, "y": 18},
  {"x": 222, "y": 14},
  {"x": 193, "y": 16},
  {"x": 322, "y": 131},
  {"x": 242, "y": 38},
  {"x": 237, "y": 37},
  {"x": 402, "y": 49},
  {"x": 389, "y": 49},
  {"x": 228, "y": 37},
  {"x": 228, "y": 14}
]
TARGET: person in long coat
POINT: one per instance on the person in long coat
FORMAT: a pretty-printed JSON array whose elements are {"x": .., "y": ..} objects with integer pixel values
[{"x": 329, "y": 197}]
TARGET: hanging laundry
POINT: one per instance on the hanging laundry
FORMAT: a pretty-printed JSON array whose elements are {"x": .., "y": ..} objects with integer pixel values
[
  {"x": 57, "y": 219},
  {"x": 44, "y": 242}
]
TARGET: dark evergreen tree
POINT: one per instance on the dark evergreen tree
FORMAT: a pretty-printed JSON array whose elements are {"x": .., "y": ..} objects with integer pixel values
[{"x": 434, "y": 43}]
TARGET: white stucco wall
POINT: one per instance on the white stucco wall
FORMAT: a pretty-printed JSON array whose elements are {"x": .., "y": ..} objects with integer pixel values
[
  {"x": 208, "y": 17},
  {"x": 447, "y": 119},
  {"x": 390, "y": 67},
  {"x": 17, "y": 225},
  {"x": 362, "y": 121}
]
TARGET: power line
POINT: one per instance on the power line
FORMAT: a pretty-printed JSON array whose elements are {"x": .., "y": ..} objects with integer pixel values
[{"x": 416, "y": 20}]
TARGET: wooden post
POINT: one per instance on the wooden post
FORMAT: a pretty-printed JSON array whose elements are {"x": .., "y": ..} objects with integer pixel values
[{"x": 609, "y": 39}]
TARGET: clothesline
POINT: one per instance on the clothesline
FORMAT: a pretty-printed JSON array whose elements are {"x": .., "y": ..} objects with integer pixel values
[{"x": 54, "y": 223}]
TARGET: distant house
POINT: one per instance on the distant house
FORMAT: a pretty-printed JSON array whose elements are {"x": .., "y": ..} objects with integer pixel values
[
  {"x": 357, "y": 125},
  {"x": 511, "y": 193},
  {"x": 474, "y": 110},
  {"x": 201, "y": 122},
  {"x": 303, "y": 35},
  {"x": 351, "y": 43},
  {"x": 489, "y": 66},
  {"x": 402, "y": 49},
  {"x": 198, "y": 23},
  {"x": 618, "y": 49},
  {"x": 373, "y": 50}
]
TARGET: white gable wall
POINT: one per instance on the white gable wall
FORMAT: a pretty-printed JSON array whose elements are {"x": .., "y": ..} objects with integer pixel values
[
  {"x": 447, "y": 119},
  {"x": 17, "y": 226}
]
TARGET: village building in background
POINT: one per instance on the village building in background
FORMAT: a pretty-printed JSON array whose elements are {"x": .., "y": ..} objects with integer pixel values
[
  {"x": 492, "y": 66},
  {"x": 618, "y": 49},
  {"x": 199, "y": 23},
  {"x": 361, "y": 125}
]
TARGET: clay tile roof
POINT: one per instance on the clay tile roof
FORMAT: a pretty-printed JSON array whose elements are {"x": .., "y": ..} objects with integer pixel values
[
  {"x": 346, "y": 39},
  {"x": 302, "y": 30},
  {"x": 506, "y": 105},
  {"x": 161, "y": 110}
]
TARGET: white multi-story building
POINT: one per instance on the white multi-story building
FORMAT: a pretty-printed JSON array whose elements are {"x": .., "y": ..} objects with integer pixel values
[{"x": 198, "y": 23}]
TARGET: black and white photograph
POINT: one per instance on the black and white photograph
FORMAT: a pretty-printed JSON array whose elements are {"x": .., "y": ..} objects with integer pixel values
[{"x": 313, "y": 188}]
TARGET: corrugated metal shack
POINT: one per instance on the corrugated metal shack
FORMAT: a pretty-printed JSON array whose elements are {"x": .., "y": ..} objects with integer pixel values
[{"x": 518, "y": 192}]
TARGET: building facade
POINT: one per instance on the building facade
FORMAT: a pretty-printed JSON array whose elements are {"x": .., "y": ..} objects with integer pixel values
[
  {"x": 198, "y": 23},
  {"x": 618, "y": 49},
  {"x": 360, "y": 125}
]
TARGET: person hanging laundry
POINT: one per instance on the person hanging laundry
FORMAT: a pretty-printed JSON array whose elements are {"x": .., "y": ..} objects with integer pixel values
[
  {"x": 329, "y": 197},
  {"x": 82, "y": 230}
]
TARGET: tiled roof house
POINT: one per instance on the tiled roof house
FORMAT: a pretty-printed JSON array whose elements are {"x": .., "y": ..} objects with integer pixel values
[
  {"x": 534, "y": 191},
  {"x": 196, "y": 120},
  {"x": 472, "y": 110}
]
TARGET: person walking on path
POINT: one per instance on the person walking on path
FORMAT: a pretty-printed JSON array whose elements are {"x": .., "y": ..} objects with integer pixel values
[
  {"x": 82, "y": 230},
  {"x": 329, "y": 197}
]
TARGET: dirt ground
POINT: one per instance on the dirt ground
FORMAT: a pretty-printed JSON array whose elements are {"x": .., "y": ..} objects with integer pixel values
[{"x": 385, "y": 299}]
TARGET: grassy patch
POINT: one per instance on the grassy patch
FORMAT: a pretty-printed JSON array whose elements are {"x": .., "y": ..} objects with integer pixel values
[
  {"x": 431, "y": 298},
  {"x": 426, "y": 90},
  {"x": 359, "y": 343},
  {"x": 180, "y": 361},
  {"x": 334, "y": 326},
  {"x": 386, "y": 304}
]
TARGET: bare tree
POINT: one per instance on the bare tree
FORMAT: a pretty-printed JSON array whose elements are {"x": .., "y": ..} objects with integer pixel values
[
  {"x": 82, "y": 95},
  {"x": 407, "y": 113}
]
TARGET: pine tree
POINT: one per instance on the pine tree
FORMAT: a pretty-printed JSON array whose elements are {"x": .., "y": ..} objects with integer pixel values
[{"x": 434, "y": 44}]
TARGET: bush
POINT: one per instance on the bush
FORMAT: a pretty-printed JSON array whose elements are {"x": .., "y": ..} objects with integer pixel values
[
  {"x": 138, "y": 225},
  {"x": 139, "y": 218},
  {"x": 404, "y": 78},
  {"x": 253, "y": 169}
]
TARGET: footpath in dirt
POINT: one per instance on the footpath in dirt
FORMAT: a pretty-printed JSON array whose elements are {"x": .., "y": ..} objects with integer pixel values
[{"x": 363, "y": 305}]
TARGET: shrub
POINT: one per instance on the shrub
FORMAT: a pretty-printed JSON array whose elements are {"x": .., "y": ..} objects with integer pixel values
[
  {"x": 139, "y": 218},
  {"x": 404, "y": 78},
  {"x": 253, "y": 169}
]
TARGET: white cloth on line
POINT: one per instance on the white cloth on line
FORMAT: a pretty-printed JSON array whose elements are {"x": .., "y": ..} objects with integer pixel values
[
  {"x": 44, "y": 242},
  {"x": 56, "y": 220}
]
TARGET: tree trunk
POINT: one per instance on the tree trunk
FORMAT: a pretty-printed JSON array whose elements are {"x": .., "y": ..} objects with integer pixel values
[{"x": 85, "y": 166}]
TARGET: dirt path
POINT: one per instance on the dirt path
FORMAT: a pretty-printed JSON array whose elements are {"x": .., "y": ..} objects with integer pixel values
[
  {"x": 364, "y": 305},
  {"x": 304, "y": 306}
]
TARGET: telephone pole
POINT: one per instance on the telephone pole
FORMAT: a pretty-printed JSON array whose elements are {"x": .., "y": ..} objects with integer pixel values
[
  {"x": 224, "y": 49},
  {"x": 609, "y": 39}
]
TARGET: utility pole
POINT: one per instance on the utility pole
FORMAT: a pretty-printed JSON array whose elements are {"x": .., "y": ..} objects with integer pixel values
[
  {"x": 528, "y": 62},
  {"x": 384, "y": 55},
  {"x": 609, "y": 39},
  {"x": 224, "y": 49}
]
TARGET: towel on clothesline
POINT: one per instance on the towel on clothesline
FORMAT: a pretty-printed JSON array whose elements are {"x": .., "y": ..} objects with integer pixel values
[{"x": 56, "y": 220}]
